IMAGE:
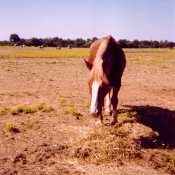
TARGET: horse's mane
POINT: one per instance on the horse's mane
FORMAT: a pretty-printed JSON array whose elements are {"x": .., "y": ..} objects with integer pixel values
[{"x": 97, "y": 72}]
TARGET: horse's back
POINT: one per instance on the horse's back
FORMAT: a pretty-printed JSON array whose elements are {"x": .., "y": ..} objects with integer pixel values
[{"x": 109, "y": 50}]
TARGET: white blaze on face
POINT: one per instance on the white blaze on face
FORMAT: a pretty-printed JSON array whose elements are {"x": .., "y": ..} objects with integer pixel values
[{"x": 94, "y": 102}]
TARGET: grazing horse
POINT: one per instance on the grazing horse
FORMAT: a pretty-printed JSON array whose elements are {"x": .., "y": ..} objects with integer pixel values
[
  {"x": 106, "y": 64},
  {"x": 59, "y": 47},
  {"x": 16, "y": 44},
  {"x": 69, "y": 47},
  {"x": 41, "y": 47},
  {"x": 22, "y": 46}
]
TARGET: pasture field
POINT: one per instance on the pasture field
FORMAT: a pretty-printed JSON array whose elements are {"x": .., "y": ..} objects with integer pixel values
[{"x": 45, "y": 126}]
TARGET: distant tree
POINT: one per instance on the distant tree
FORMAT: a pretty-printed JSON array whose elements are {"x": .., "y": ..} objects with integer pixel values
[
  {"x": 129, "y": 44},
  {"x": 14, "y": 38},
  {"x": 94, "y": 39},
  {"x": 123, "y": 43},
  {"x": 34, "y": 42},
  {"x": 155, "y": 44},
  {"x": 142, "y": 45},
  {"x": 55, "y": 39},
  {"x": 69, "y": 42},
  {"x": 161, "y": 44},
  {"x": 136, "y": 43},
  {"x": 5, "y": 43},
  {"x": 87, "y": 45},
  {"x": 88, "y": 40},
  {"x": 79, "y": 42},
  {"x": 23, "y": 41},
  {"x": 170, "y": 44},
  {"x": 166, "y": 43}
]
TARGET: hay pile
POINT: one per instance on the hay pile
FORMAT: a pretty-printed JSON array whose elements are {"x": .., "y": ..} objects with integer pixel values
[{"x": 113, "y": 143}]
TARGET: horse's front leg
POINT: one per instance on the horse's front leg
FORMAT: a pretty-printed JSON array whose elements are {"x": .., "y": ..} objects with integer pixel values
[
  {"x": 99, "y": 119},
  {"x": 114, "y": 101},
  {"x": 108, "y": 103},
  {"x": 115, "y": 116}
]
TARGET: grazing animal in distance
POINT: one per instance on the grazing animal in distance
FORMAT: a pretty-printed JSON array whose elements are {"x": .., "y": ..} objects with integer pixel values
[
  {"x": 172, "y": 47},
  {"x": 16, "y": 44},
  {"x": 22, "y": 46},
  {"x": 59, "y": 47},
  {"x": 106, "y": 63},
  {"x": 41, "y": 47},
  {"x": 69, "y": 47}
]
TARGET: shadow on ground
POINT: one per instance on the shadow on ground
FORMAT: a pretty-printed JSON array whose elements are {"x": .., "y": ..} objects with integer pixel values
[{"x": 159, "y": 119}]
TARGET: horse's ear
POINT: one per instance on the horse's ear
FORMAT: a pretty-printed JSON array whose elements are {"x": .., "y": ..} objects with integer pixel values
[{"x": 88, "y": 65}]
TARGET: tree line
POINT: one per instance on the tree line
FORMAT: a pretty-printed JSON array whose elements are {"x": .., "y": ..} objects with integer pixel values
[{"x": 79, "y": 42}]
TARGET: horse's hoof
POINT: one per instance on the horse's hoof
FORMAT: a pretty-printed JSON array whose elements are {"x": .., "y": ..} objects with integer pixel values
[
  {"x": 99, "y": 123},
  {"x": 108, "y": 112},
  {"x": 113, "y": 122}
]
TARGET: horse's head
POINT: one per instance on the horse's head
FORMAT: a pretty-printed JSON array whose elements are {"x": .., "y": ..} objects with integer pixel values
[{"x": 98, "y": 86}]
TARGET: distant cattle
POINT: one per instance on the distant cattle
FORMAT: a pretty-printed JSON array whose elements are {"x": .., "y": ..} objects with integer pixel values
[
  {"x": 22, "y": 46},
  {"x": 59, "y": 47},
  {"x": 16, "y": 44},
  {"x": 172, "y": 47},
  {"x": 69, "y": 47},
  {"x": 41, "y": 47}
]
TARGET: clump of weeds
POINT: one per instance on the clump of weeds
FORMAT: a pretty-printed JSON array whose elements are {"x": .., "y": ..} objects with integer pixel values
[
  {"x": 48, "y": 109},
  {"x": 13, "y": 111},
  {"x": 3, "y": 111},
  {"x": 11, "y": 127},
  {"x": 27, "y": 109},
  {"x": 30, "y": 124},
  {"x": 73, "y": 111}
]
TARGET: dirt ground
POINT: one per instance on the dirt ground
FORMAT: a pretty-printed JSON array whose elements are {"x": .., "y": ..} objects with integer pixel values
[{"x": 66, "y": 140}]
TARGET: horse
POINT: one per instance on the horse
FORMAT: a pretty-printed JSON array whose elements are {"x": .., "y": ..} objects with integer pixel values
[
  {"x": 59, "y": 47},
  {"x": 16, "y": 44},
  {"x": 106, "y": 63},
  {"x": 21, "y": 46},
  {"x": 41, "y": 47},
  {"x": 69, "y": 47}
]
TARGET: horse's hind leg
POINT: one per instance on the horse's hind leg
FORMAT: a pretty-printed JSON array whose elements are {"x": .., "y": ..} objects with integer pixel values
[{"x": 114, "y": 101}]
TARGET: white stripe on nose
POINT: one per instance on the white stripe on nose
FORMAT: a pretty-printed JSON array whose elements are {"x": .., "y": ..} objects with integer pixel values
[{"x": 94, "y": 100}]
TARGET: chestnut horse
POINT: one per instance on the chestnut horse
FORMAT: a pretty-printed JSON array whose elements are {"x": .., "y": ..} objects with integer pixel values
[
  {"x": 106, "y": 64},
  {"x": 59, "y": 47}
]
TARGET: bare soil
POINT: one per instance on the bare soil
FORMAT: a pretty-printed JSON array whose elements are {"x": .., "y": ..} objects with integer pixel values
[{"x": 66, "y": 140}]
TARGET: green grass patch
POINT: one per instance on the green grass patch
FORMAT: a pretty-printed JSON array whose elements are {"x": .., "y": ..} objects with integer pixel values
[
  {"x": 13, "y": 111},
  {"x": 30, "y": 124},
  {"x": 48, "y": 109},
  {"x": 27, "y": 109},
  {"x": 11, "y": 127},
  {"x": 3, "y": 111},
  {"x": 171, "y": 163}
]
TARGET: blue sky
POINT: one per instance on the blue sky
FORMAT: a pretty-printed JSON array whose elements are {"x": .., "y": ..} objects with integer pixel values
[{"x": 123, "y": 19}]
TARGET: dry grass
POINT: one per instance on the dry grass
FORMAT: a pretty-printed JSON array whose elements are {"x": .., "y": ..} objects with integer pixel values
[{"x": 107, "y": 145}]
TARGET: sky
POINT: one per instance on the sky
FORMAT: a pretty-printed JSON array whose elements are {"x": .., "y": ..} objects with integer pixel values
[{"x": 72, "y": 19}]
